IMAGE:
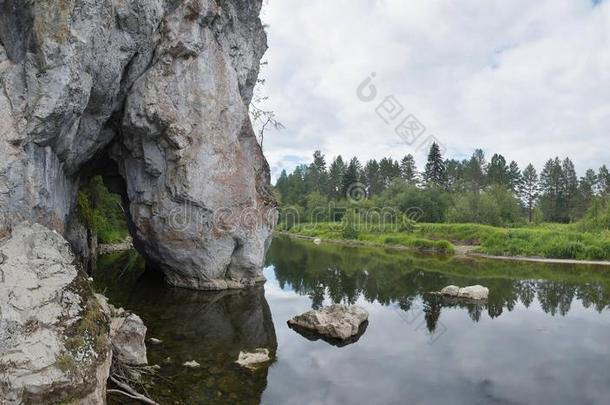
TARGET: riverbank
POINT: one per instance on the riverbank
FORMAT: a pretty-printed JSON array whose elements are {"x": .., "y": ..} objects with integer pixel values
[
  {"x": 550, "y": 243},
  {"x": 414, "y": 245}
]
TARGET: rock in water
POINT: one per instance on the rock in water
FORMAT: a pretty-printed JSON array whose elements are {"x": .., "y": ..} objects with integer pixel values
[
  {"x": 191, "y": 364},
  {"x": 336, "y": 321},
  {"x": 451, "y": 291},
  {"x": 252, "y": 360},
  {"x": 474, "y": 292},
  {"x": 153, "y": 95},
  {"x": 54, "y": 343},
  {"x": 127, "y": 334}
]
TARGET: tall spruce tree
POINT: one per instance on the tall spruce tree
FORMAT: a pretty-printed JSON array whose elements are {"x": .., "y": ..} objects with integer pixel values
[
  {"x": 514, "y": 176},
  {"x": 317, "y": 176},
  {"x": 435, "y": 174}
]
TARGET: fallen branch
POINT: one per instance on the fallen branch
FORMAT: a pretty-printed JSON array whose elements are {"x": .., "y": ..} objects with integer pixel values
[{"x": 132, "y": 393}]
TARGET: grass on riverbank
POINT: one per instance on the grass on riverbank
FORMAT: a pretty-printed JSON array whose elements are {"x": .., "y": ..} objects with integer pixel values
[
  {"x": 547, "y": 240},
  {"x": 373, "y": 235}
]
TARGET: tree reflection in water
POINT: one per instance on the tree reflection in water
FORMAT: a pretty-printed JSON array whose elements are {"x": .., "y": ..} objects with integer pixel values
[{"x": 345, "y": 274}]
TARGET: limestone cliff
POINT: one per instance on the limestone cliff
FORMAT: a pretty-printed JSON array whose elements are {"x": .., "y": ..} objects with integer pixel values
[{"x": 153, "y": 95}]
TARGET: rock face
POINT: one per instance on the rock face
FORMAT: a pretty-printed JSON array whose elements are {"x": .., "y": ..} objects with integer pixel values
[
  {"x": 153, "y": 95},
  {"x": 336, "y": 321},
  {"x": 54, "y": 344},
  {"x": 474, "y": 292}
]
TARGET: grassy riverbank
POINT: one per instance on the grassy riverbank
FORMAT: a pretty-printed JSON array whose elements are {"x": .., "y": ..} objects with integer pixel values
[{"x": 551, "y": 241}]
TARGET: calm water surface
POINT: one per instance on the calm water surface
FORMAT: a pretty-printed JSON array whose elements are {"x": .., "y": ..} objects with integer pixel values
[{"x": 542, "y": 338}]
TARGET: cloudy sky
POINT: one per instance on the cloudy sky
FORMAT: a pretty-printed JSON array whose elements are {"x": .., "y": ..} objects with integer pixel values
[{"x": 528, "y": 79}]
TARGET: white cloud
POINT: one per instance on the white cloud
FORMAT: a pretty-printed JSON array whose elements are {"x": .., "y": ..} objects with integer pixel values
[{"x": 530, "y": 80}]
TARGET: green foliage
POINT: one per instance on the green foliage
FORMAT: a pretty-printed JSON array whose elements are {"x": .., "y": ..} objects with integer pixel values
[
  {"x": 101, "y": 211},
  {"x": 351, "y": 224},
  {"x": 597, "y": 217},
  {"x": 471, "y": 190}
]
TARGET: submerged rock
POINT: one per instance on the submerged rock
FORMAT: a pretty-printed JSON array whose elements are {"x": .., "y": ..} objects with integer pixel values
[
  {"x": 336, "y": 321},
  {"x": 252, "y": 360},
  {"x": 474, "y": 292},
  {"x": 54, "y": 336},
  {"x": 153, "y": 95}
]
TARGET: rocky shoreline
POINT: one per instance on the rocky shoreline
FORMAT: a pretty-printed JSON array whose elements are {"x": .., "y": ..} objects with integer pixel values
[{"x": 58, "y": 339}]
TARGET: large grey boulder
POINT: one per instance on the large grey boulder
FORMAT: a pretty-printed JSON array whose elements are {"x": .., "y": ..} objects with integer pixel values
[
  {"x": 336, "y": 321},
  {"x": 54, "y": 344},
  {"x": 153, "y": 95},
  {"x": 127, "y": 334}
]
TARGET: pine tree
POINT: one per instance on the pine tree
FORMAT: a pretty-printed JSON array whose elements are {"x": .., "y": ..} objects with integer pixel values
[
  {"x": 351, "y": 176},
  {"x": 570, "y": 188},
  {"x": 408, "y": 170},
  {"x": 388, "y": 170},
  {"x": 603, "y": 181},
  {"x": 335, "y": 177},
  {"x": 475, "y": 180},
  {"x": 529, "y": 189},
  {"x": 371, "y": 177},
  {"x": 514, "y": 176},
  {"x": 455, "y": 174},
  {"x": 586, "y": 192},
  {"x": 498, "y": 172},
  {"x": 552, "y": 187},
  {"x": 281, "y": 185},
  {"x": 435, "y": 174},
  {"x": 317, "y": 176}
]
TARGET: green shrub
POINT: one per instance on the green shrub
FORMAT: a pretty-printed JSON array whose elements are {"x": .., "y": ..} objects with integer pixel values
[
  {"x": 563, "y": 249},
  {"x": 595, "y": 253}
]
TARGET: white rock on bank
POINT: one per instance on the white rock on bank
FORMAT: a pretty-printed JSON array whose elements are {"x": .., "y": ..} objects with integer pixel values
[
  {"x": 252, "y": 360},
  {"x": 335, "y": 321}
]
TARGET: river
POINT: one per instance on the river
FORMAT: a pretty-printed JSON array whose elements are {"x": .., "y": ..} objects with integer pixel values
[{"x": 541, "y": 338}]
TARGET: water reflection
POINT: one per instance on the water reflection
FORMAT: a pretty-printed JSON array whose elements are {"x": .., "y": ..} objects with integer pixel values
[
  {"x": 343, "y": 274},
  {"x": 541, "y": 338},
  {"x": 208, "y": 327}
]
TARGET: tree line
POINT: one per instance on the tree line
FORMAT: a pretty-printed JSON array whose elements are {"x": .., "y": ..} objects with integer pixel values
[{"x": 476, "y": 189}]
